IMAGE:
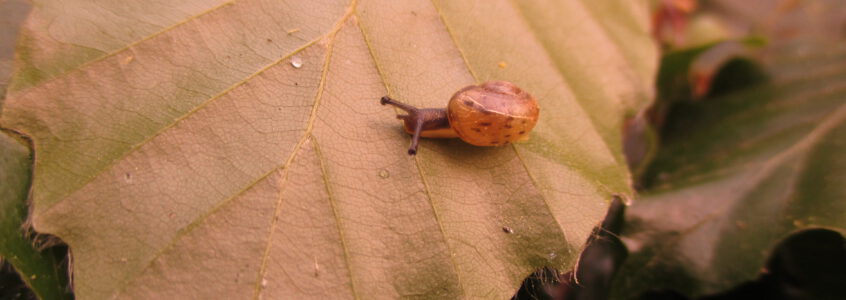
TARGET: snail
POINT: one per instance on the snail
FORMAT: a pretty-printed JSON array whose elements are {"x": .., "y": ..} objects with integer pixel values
[{"x": 493, "y": 113}]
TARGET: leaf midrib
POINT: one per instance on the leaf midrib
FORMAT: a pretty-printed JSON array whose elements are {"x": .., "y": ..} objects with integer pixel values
[{"x": 308, "y": 136}]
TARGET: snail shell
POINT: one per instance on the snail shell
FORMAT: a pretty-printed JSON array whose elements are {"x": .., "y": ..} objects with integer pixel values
[{"x": 493, "y": 113}]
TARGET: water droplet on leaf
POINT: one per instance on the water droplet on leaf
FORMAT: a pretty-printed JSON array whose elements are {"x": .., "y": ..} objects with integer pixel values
[{"x": 297, "y": 62}]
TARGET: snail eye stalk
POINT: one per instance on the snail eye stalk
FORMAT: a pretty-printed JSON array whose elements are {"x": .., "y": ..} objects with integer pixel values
[
  {"x": 413, "y": 117},
  {"x": 388, "y": 101}
]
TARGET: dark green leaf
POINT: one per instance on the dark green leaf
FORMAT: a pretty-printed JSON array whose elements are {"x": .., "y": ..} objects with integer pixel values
[
  {"x": 38, "y": 269},
  {"x": 737, "y": 174}
]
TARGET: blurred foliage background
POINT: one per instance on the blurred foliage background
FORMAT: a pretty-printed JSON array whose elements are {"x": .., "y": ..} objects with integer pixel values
[{"x": 739, "y": 162}]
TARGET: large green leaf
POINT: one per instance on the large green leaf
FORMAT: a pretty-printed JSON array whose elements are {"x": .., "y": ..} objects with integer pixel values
[
  {"x": 238, "y": 150},
  {"x": 739, "y": 173}
]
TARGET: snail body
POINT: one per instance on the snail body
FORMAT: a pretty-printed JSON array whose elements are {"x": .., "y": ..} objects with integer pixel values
[{"x": 493, "y": 113}]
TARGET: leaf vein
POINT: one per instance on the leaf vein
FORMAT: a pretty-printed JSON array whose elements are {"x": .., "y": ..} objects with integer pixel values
[
  {"x": 563, "y": 77},
  {"x": 182, "y": 232},
  {"x": 164, "y": 129},
  {"x": 426, "y": 187},
  {"x": 143, "y": 39},
  {"x": 325, "y": 175},
  {"x": 513, "y": 147},
  {"x": 305, "y": 137}
]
